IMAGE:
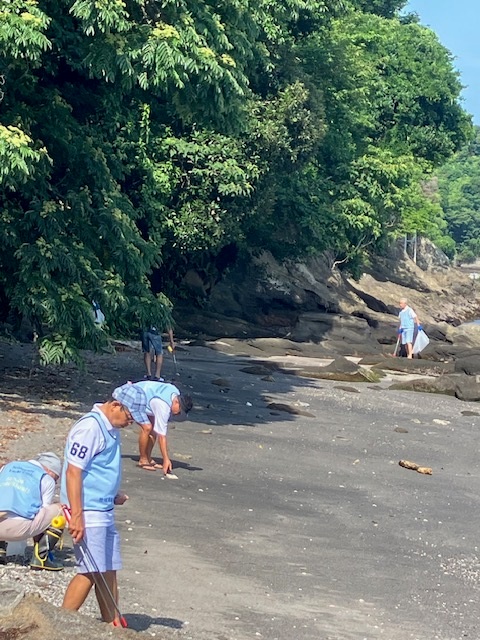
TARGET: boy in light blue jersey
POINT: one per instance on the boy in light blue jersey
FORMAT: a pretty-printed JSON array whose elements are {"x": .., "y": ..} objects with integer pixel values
[{"x": 90, "y": 488}]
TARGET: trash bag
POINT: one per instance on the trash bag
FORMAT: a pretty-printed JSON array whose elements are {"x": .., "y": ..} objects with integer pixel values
[
  {"x": 421, "y": 342},
  {"x": 98, "y": 315}
]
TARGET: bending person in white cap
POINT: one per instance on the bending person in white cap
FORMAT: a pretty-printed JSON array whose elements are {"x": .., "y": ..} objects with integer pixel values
[
  {"x": 27, "y": 490},
  {"x": 90, "y": 487}
]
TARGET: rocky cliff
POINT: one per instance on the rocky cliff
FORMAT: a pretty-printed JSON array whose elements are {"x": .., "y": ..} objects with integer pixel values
[
  {"x": 314, "y": 303},
  {"x": 310, "y": 309}
]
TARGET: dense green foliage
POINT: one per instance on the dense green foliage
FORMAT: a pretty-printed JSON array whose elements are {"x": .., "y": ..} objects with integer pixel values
[
  {"x": 137, "y": 137},
  {"x": 459, "y": 186}
]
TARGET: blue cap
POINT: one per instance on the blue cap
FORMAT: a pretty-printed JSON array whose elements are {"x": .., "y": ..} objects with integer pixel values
[{"x": 134, "y": 399}]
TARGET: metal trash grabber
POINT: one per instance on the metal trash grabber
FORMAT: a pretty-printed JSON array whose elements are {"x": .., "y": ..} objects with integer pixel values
[
  {"x": 394, "y": 354},
  {"x": 172, "y": 351},
  {"x": 87, "y": 555}
]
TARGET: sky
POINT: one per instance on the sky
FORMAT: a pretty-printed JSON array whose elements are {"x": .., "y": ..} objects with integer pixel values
[{"x": 457, "y": 25}]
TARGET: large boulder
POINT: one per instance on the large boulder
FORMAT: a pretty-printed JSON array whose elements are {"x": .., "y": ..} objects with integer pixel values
[
  {"x": 406, "y": 365},
  {"x": 436, "y": 332},
  {"x": 341, "y": 365},
  {"x": 284, "y": 346},
  {"x": 430, "y": 257},
  {"x": 459, "y": 385},
  {"x": 263, "y": 289},
  {"x": 439, "y": 351},
  {"x": 465, "y": 335},
  {"x": 341, "y": 370},
  {"x": 446, "y": 385},
  {"x": 385, "y": 331},
  {"x": 209, "y": 324},
  {"x": 470, "y": 365},
  {"x": 467, "y": 388},
  {"x": 318, "y": 326},
  {"x": 362, "y": 375},
  {"x": 445, "y": 352}
]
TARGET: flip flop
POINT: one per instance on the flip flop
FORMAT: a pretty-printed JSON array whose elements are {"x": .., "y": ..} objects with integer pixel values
[
  {"x": 155, "y": 465},
  {"x": 147, "y": 467}
]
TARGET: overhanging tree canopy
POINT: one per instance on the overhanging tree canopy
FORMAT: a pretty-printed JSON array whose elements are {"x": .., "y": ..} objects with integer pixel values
[{"x": 134, "y": 133}]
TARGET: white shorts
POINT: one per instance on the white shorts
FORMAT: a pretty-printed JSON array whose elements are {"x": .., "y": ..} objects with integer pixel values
[{"x": 99, "y": 551}]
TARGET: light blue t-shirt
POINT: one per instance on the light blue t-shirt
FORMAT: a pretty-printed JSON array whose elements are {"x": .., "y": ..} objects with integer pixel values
[{"x": 407, "y": 318}]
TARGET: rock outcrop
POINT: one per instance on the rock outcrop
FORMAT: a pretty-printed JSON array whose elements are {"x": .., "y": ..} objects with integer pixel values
[
  {"x": 312, "y": 302},
  {"x": 310, "y": 309}
]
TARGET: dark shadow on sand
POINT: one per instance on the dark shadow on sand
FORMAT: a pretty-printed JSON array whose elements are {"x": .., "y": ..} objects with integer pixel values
[{"x": 142, "y": 622}]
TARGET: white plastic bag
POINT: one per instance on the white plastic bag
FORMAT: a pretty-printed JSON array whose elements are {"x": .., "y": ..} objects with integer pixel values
[
  {"x": 98, "y": 315},
  {"x": 421, "y": 341}
]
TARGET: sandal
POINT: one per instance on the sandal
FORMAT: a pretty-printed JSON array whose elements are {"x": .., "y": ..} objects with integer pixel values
[
  {"x": 155, "y": 465},
  {"x": 147, "y": 466}
]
